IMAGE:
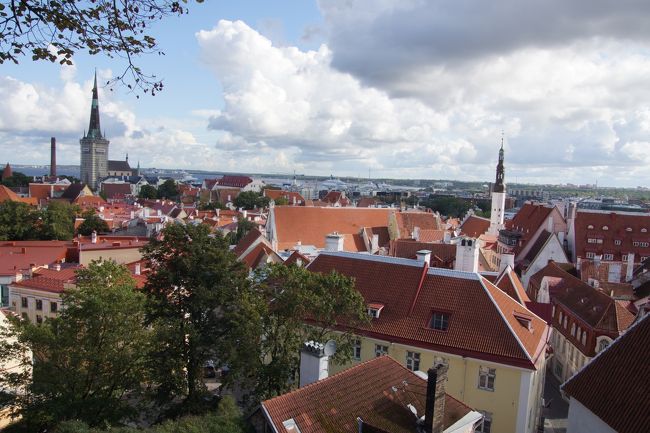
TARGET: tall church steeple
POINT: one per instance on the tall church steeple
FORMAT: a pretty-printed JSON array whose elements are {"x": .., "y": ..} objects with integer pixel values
[
  {"x": 499, "y": 185},
  {"x": 94, "y": 129},
  {"x": 498, "y": 197}
]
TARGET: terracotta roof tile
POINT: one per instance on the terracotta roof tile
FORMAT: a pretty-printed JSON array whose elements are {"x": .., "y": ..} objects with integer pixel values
[
  {"x": 510, "y": 283},
  {"x": 310, "y": 225},
  {"x": 541, "y": 240},
  {"x": 374, "y": 390},
  {"x": 479, "y": 324},
  {"x": 381, "y": 232},
  {"x": 297, "y": 258},
  {"x": 474, "y": 226},
  {"x": 116, "y": 190},
  {"x": 442, "y": 255},
  {"x": 614, "y": 386},
  {"x": 408, "y": 221},
  {"x": 50, "y": 280},
  {"x": 17, "y": 256},
  {"x": 247, "y": 241},
  {"x": 291, "y": 196},
  {"x": 234, "y": 181}
]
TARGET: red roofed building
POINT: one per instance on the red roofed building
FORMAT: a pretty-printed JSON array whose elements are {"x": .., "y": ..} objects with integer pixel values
[
  {"x": 474, "y": 226},
  {"x": 255, "y": 251},
  {"x": 610, "y": 394},
  {"x": 442, "y": 255},
  {"x": 494, "y": 346},
  {"x": 292, "y": 198},
  {"x": 618, "y": 241},
  {"x": 115, "y": 191},
  {"x": 379, "y": 395},
  {"x": 336, "y": 199},
  {"x": 42, "y": 191},
  {"x": 289, "y": 226},
  {"x": 406, "y": 225},
  {"x": 7, "y": 194}
]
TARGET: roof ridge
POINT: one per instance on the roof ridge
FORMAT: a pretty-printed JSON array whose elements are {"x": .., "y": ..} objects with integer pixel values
[{"x": 501, "y": 313}]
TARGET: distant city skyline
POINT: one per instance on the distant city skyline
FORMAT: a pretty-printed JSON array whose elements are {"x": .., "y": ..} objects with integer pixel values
[{"x": 407, "y": 89}]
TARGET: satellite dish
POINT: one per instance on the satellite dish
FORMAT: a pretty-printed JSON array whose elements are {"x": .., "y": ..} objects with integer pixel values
[{"x": 330, "y": 348}]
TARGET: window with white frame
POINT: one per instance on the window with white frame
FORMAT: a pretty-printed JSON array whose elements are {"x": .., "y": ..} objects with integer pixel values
[
  {"x": 583, "y": 338},
  {"x": 573, "y": 329},
  {"x": 486, "y": 425},
  {"x": 486, "y": 378},
  {"x": 608, "y": 256},
  {"x": 617, "y": 242},
  {"x": 566, "y": 321},
  {"x": 380, "y": 350},
  {"x": 23, "y": 302},
  {"x": 356, "y": 349},
  {"x": 624, "y": 257},
  {"x": 590, "y": 255},
  {"x": 439, "y": 321},
  {"x": 413, "y": 361},
  {"x": 635, "y": 243}
]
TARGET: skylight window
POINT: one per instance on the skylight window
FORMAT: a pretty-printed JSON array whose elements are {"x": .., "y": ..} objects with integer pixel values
[
  {"x": 439, "y": 321},
  {"x": 374, "y": 310}
]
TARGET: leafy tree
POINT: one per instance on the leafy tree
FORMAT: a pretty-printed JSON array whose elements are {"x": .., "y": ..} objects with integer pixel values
[
  {"x": 211, "y": 206},
  {"x": 92, "y": 223},
  {"x": 168, "y": 190},
  {"x": 281, "y": 201},
  {"x": 56, "y": 31},
  {"x": 286, "y": 306},
  {"x": 227, "y": 419},
  {"x": 57, "y": 221},
  {"x": 16, "y": 221},
  {"x": 193, "y": 278},
  {"x": 250, "y": 200},
  {"x": 244, "y": 226},
  {"x": 148, "y": 192},
  {"x": 17, "y": 179},
  {"x": 449, "y": 206},
  {"x": 87, "y": 360}
]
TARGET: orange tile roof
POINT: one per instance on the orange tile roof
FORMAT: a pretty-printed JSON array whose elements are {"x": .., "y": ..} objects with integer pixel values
[
  {"x": 8, "y": 194},
  {"x": 510, "y": 283},
  {"x": 528, "y": 220},
  {"x": 475, "y": 226},
  {"x": 442, "y": 255},
  {"x": 17, "y": 256},
  {"x": 614, "y": 386},
  {"x": 296, "y": 257},
  {"x": 481, "y": 315},
  {"x": 275, "y": 194},
  {"x": 310, "y": 225},
  {"x": 432, "y": 235},
  {"x": 408, "y": 221},
  {"x": 247, "y": 241},
  {"x": 49, "y": 280},
  {"x": 377, "y": 391},
  {"x": 44, "y": 190}
]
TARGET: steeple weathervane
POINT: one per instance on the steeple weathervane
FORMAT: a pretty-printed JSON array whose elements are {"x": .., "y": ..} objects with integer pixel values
[{"x": 94, "y": 130}]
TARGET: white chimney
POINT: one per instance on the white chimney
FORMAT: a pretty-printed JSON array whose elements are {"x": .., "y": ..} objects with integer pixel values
[
  {"x": 218, "y": 212},
  {"x": 506, "y": 260},
  {"x": 137, "y": 269},
  {"x": 132, "y": 214},
  {"x": 93, "y": 237},
  {"x": 334, "y": 242},
  {"x": 374, "y": 244},
  {"x": 447, "y": 237},
  {"x": 416, "y": 233},
  {"x": 467, "y": 255},
  {"x": 314, "y": 364},
  {"x": 630, "y": 267},
  {"x": 159, "y": 212},
  {"x": 245, "y": 213},
  {"x": 424, "y": 256}
]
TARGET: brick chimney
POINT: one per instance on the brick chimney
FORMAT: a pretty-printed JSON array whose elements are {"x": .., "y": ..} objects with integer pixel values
[
  {"x": 434, "y": 411},
  {"x": 53, "y": 157}
]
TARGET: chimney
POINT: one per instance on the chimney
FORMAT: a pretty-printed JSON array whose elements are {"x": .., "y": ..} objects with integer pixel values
[
  {"x": 435, "y": 406},
  {"x": 466, "y": 255},
  {"x": 137, "y": 269},
  {"x": 334, "y": 242},
  {"x": 57, "y": 267},
  {"x": 314, "y": 364},
  {"x": 416, "y": 233},
  {"x": 374, "y": 243},
  {"x": 53, "y": 157},
  {"x": 630, "y": 267},
  {"x": 424, "y": 256},
  {"x": 447, "y": 237},
  {"x": 506, "y": 259},
  {"x": 245, "y": 213},
  {"x": 93, "y": 237},
  {"x": 294, "y": 200}
]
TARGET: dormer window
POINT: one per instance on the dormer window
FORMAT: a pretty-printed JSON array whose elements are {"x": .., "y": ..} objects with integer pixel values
[
  {"x": 439, "y": 321},
  {"x": 617, "y": 242},
  {"x": 374, "y": 310},
  {"x": 605, "y": 228},
  {"x": 644, "y": 230},
  {"x": 524, "y": 320},
  {"x": 590, "y": 227},
  {"x": 628, "y": 229}
]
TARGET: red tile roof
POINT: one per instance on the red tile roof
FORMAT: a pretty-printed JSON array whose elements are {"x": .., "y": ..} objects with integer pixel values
[
  {"x": 17, "y": 256},
  {"x": 474, "y": 226},
  {"x": 234, "y": 181},
  {"x": 481, "y": 315},
  {"x": 377, "y": 391},
  {"x": 116, "y": 190},
  {"x": 381, "y": 232},
  {"x": 48, "y": 280},
  {"x": 528, "y": 220},
  {"x": 7, "y": 194},
  {"x": 247, "y": 241},
  {"x": 336, "y": 197},
  {"x": 227, "y": 195},
  {"x": 255, "y": 256},
  {"x": 627, "y": 228},
  {"x": 614, "y": 386},
  {"x": 368, "y": 201},
  {"x": 44, "y": 190},
  {"x": 442, "y": 255},
  {"x": 432, "y": 235},
  {"x": 408, "y": 221},
  {"x": 510, "y": 283},
  {"x": 297, "y": 258},
  {"x": 290, "y": 196},
  {"x": 310, "y": 225}
]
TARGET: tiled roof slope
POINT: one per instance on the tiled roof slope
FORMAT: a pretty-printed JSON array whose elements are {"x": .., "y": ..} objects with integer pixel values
[
  {"x": 17, "y": 256},
  {"x": 290, "y": 196},
  {"x": 480, "y": 313},
  {"x": 475, "y": 226},
  {"x": 510, "y": 283},
  {"x": 408, "y": 221},
  {"x": 441, "y": 254},
  {"x": 381, "y": 232},
  {"x": 50, "y": 280},
  {"x": 624, "y": 227},
  {"x": 615, "y": 385},
  {"x": 247, "y": 241},
  {"x": 310, "y": 225},
  {"x": 118, "y": 165},
  {"x": 116, "y": 190},
  {"x": 375, "y": 391},
  {"x": 537, "y": 246},
  {"x": 234, "y": 181}
]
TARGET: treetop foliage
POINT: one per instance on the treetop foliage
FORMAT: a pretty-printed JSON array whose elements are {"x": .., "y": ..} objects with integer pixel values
[{"x": 56, "y": 30}]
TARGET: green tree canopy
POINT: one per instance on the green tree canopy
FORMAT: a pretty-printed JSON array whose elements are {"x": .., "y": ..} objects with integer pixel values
[
  {"x": 193, "y": 279},
  {"x": 286, "y": 306},
  {"x": 57, "y": 221},
  {"x": 17, "y": 221},
  {"x": 148, "y": 192},
  {"x": 87, "y": 360},
  {"x": 168, "y": 190},
  {"x": 17, "y": 179},
  {"x": 56, "y": 31},
  {"x": 92, "y": 223},
  {"x": 251, "y": 200}
]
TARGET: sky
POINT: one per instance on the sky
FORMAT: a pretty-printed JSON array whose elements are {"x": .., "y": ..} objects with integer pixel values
[{"x": 388, "y": 88}]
